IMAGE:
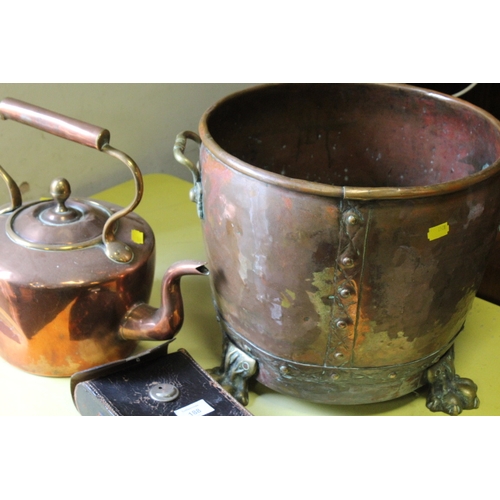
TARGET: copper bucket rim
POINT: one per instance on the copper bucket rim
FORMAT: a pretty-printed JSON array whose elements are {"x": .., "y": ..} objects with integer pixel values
[{"x": 349, "y": 192}]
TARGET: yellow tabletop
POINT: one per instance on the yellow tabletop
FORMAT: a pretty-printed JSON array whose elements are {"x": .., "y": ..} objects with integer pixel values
[{"x": 173, "y": 217}]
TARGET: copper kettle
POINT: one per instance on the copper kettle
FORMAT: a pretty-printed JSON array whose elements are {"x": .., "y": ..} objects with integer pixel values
[{"x": 76, "y": 275}]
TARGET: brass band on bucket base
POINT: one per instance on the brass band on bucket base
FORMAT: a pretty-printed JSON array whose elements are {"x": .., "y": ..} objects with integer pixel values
[{"x": 448, "y": 392}]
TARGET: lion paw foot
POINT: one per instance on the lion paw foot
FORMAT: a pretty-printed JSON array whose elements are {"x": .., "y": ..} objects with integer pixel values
[
  {"x": 455, "y": 397},
  {"x": 450, "y": 393}
]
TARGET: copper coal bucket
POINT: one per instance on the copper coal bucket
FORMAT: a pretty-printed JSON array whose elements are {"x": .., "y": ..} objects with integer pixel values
[{"x": 347, "y": 228}]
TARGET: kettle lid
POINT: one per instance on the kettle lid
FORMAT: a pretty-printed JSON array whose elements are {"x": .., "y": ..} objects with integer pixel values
[{"x": 60, "y": 223}]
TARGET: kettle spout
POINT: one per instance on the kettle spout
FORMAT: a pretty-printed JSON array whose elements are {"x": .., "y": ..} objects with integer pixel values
[{"x": 144, "y": 322}]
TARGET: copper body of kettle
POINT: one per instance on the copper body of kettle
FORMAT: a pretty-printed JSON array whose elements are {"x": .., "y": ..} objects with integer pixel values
[{"x": 76, "y": 275}]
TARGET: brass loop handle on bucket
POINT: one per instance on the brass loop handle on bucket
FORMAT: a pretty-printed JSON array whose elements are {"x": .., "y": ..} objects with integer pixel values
[
  {"x": 81, "y": 133},
  {"x": 195, "y": 194}
]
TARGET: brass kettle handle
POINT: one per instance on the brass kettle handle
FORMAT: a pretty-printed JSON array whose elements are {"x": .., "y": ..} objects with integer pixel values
[
  {"x": 87, "y": 135},
  {"x": 14, "y": 191}
]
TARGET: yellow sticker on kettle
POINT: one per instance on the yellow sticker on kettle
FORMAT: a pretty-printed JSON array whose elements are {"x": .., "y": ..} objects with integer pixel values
[
  {"x": 137, "y": 237},
  {"x": 438, "y": 231}
]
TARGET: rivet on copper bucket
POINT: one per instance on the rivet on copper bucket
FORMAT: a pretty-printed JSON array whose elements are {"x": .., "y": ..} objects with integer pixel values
[
  {"x": 345, "y": 292},
  {"x": 352, "y": 220},
  {"x": 347, "y": 262},
  {"x": 284, "y": 370}
]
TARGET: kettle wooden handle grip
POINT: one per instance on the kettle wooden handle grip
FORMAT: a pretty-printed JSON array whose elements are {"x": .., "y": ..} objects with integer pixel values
[{"x": 54, "y": 123}]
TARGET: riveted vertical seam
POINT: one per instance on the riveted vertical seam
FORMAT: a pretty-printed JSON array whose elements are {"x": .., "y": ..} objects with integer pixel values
[{"x": 360, "y": 287}]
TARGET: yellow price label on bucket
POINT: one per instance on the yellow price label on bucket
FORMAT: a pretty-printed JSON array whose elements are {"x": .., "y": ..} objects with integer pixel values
[
  {"x": 137, "y": 237},
  {"x": 438, "y": 231}
]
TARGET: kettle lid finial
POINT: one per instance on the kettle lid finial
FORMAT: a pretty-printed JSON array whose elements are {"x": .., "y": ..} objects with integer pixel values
[{"x": 60, "y": 213}]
